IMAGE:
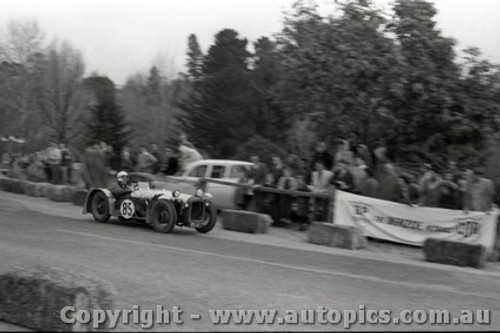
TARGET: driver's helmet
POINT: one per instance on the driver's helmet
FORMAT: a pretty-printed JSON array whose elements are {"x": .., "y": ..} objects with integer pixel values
[{"x": 122, "y": 178}]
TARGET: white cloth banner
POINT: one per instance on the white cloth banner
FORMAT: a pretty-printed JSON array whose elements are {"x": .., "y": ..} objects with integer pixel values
[{"x": 412, "y": 225}]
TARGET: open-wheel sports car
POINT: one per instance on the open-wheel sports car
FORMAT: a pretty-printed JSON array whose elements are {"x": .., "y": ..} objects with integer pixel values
[{"x": 163, "y": 209}]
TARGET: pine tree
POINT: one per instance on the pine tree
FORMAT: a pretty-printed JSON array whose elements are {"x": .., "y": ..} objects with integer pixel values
[
  {"x": 195, "y": 59},
  {"x": 107, "y": 122}
]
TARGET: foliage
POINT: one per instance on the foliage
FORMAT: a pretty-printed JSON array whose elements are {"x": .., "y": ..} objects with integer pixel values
[
  {"x": 107, "y": 123},
  {"x": 260, "y": 146}
]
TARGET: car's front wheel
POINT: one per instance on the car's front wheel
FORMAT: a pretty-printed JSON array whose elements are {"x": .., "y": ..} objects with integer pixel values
[
  {"x": 163, "y": 216},
  {"x": 100, "y": 207},
  {"x": 210, "y": 219}
]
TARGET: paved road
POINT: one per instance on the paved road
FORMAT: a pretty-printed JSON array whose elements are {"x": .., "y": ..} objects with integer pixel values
[{"x": 201, "y": 272}]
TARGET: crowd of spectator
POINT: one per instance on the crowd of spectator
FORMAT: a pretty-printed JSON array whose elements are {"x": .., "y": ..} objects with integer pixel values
[
  {"x": 52, "y": 164},
  {"x": 55, "y": 163},
  {"x": 370, "y": 173},
  {"x": 349, "y": 166}
]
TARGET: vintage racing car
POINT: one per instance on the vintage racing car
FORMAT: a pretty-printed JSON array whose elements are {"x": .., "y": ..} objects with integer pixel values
[{"x": 163, "y": 209}]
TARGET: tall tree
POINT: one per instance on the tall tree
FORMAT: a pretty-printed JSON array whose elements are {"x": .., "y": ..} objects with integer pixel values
[
  {"x": 195, "y": 59},
  {"x": 108, "y": 122},
  {"x": 433, "y": 113},
  {"x": 271, "y": 120},
  {"x": 58, "y": 93},
  {"x": 219, "y": 115},
  {"x": 153, "y": 87},
  {"x": 339, "y": 71}
]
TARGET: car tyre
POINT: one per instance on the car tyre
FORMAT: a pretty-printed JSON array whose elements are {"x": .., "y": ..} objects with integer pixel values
[
  {"x": 100, "y": 207},
  {"x": 212, "y": 219},
  {"x": 163, "y": 216}
]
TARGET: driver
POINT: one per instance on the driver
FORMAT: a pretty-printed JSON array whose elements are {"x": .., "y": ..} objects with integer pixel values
[{"x": 122, "y": 188}]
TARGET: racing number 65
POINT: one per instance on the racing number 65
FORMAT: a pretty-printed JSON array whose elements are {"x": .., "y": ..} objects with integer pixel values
[{"x": 127, "y": 208}]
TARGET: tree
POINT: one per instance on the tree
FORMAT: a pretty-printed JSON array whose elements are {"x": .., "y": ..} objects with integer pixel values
[
  {"x": 439, "y": 114},
  {"x": 20, "y": 47},
  {"x": 271, "y": 120},
  {"x": 195, "y": 59},
  {"x": 339, "y": 71},
  {"x": 153, "y": 87},
  {"x": 107, "y": 123},
  {"x": 218, "y": 114},
  {"x": 57, "y": 89},
  {"x": 148, "y": 104}
]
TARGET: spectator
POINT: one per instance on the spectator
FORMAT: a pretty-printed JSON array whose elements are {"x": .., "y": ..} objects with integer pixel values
[
  {"x": 343, "y": 178},
  {"x": 286, "y": 182},
  {"x": 269, "y": 181},
  {"x": 344, "y": 153},
  {"x": 320, "y": 178},
  {"x": 156, "y": 167},
  {"x": 364, "y": 153},
  {"x": 126, "y": 161},
  {"x": 380, "y": 154},
  {"x": 145, "y": 161},
  {"x": 449, "y": 193},
  {"x": 183, "y": 140},
  {"x": 95, "y": 171},
  {"x": 171, "y": 162},
  {"x": 258, "y": 171},
  {"x": 358, "y": 172},
  {"x": 479, "y": 191},
  {"x": 320, "y": 183},
  {"x": 300, "y": 206},
  {"x": 426, "y": 174},
  {"x": 107, "y": 153},
  {"x": 369, "y": 185},
  {"x": 388, "y": 181},
  {"x": 277, "y": 169},
  {"x": 188, "y": 155},
  {"x": 407, "y": 194},
  {"x": 54, "y": 160},
  {"x": 294, "y": 162},
  {"x": 322, "y": 155},
  {"x": 430, "y": 188},
  {"x": 65, "y": 164},
  {"x": 244, "y": 195}
]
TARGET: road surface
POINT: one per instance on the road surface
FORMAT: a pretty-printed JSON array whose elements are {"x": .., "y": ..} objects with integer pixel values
[{"x": 199, "y": 273}]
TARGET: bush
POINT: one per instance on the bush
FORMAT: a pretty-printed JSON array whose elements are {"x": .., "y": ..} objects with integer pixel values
[{"x": 261, "y": 147}]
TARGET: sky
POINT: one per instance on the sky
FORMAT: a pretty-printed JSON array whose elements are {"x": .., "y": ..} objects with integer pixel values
[{"x": 120, "y": 38}]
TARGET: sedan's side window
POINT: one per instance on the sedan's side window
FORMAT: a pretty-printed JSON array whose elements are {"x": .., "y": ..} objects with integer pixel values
[
  {"x": 199, "y": 171},
  {"x": 218, "y": 171}
]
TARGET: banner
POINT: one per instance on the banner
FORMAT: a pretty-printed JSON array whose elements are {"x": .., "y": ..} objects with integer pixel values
[{"x": 412, "y": 225}]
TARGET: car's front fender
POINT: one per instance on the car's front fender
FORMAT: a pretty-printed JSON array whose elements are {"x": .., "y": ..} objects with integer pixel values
[{"x": 90, "y": 194}]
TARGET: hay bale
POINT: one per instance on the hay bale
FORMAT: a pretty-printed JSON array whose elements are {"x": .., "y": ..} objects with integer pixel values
[
  {"x": 4, "y": 181},
  {"x": 79, "y": 197},
  {"x": 455, "y": 253},
  {"x": 34, "y": 297},
  {"x": 347, "y": 237},
  {"x": 12, "y": 185},
  {"x": 40, "y": 189},
  {"x": 61, "y": 193},
  {"x": 243, "y": 221},
  {"x": 28, "y": 188}
]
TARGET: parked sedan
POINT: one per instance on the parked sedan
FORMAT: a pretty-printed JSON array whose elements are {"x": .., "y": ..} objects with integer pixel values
[{"x": 223, "y": 196}]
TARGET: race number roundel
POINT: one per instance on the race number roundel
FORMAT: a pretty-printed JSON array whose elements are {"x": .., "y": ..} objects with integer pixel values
[{"x": 127, "y": 208}]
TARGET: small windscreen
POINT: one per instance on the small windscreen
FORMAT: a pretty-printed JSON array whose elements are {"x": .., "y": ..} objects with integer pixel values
[{"x": 143, "y": 185}]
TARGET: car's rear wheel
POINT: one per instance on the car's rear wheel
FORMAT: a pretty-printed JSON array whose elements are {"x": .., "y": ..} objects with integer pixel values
[
  {"x": 100, "y": 207},
  {"x": 163, "y": 216},
  {"x": 210, "y": 219}
]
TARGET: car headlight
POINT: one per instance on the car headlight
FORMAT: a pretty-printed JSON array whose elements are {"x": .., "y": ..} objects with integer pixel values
[
  {"x": 199, "y": 192},
  {"x": 176, "y": 193}
]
